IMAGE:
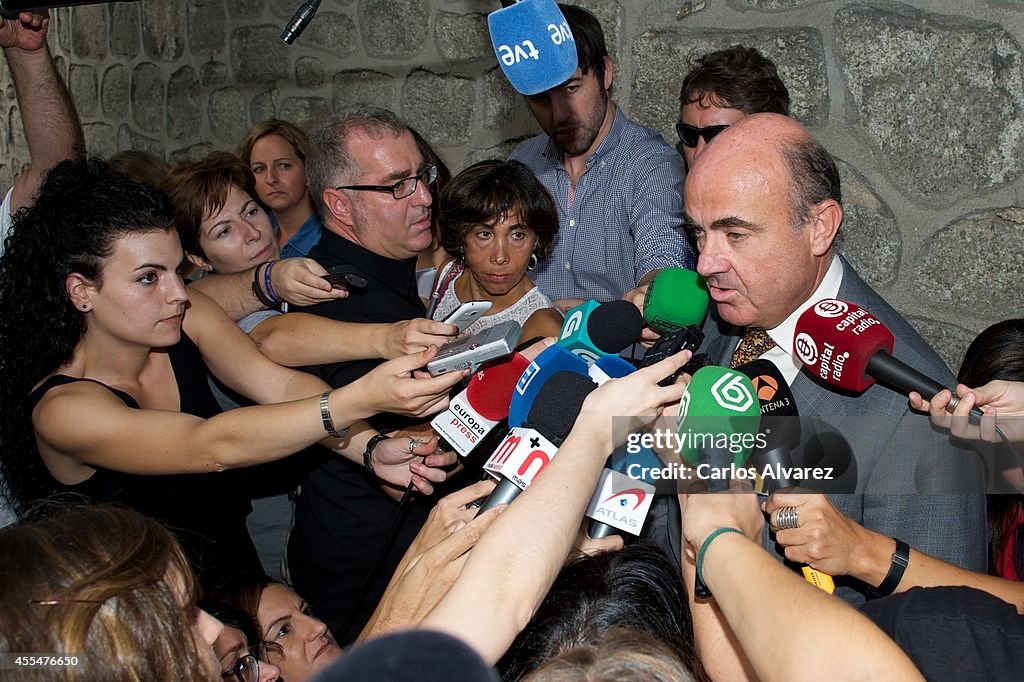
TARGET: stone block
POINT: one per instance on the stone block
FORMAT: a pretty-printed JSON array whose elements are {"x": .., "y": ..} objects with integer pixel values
[
  {"x": 227, "y": 115},
  {"x": 60, "y": 30},
  {"x": 363, "y": 87},
  {"x": 184, "y": 107},
  {"x": 394, "y": 28},
  {"x": 163, "y": 29},
  {"x": 975, "y": 265},
  {"x": 332, "y": 33},
  {"x": 89, "y": 31},
  {"x": 310, "y": 72},
  {"x": 662, "y": 58},
  {"x": 609, "y": 13},
  {"x": 247, "y": 9},
  {"x": 501, "y": 103},
  {"x": 99, "y": 139},
  {"x": 258, "y": 56},
  {"x": 147, "y": 93},
  {"x": 196, "y": 152},
  {"x": 19, "y": 147},
  {"x": 129, "y": 139},
  {"x": 114, "y": 92},
  {"x": 498, "y": 151},
  {"x": 779, "y": 4},
  {"x": 83, "y": 88},
  {"x": 920, "y": 87},
  {"x": 439, "y": 106},
  {"x": 305, "y": 112},
  {"x": 263, "y": 106},
  {"x": 213, "y": 74},
  {"x": 125, "y": 26},
  {"x": 949, "y": 340},
  {"x": 462, "y": 37},
  {"x": 207, "y": 27},
  {"x": 870, "y": 237}
]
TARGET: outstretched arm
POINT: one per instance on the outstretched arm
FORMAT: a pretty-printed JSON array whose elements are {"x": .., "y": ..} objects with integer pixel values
[{"x": 52, "y": 130}]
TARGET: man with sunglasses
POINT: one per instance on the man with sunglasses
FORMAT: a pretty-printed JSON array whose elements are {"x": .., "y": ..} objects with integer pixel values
[
  {"x": 372, "y": 189},
  {"x": 721, "y": 88},
  {"x": 617, "y": 184}
]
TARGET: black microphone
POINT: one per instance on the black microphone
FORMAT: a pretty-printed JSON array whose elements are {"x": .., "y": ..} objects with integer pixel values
[
  {"x": 780, "y": 425},
  {"x": 299, "y": 21}
]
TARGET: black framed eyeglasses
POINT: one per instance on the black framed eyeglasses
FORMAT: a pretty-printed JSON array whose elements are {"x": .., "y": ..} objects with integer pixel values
[
  {"x": 404, "y": 187},
  {"x": 246, "y": 669},
  {"x": 689, "y": 135}
]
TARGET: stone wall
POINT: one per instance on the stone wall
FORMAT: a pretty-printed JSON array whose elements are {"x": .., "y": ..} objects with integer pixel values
[{"x": 923, "y": 105}]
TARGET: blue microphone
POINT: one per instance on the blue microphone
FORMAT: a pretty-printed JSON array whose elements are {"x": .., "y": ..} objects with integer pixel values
[
  {"x": 592, "y": 330},
  {"x": 554, "y": 359},
  {"x": 533, "y": 44}
]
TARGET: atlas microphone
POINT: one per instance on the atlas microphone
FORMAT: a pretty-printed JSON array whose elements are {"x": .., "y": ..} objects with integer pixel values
[
  {"x": 533, "y": 44},
  {"x": 780, "y": 426},
  {"x": 592, "y": 330},
  {"x": 529, "y": 448},
  {"x": 848, "y": 347},
  {"x": 299, "y": 21},
  {"x": 9, "y": 9}
]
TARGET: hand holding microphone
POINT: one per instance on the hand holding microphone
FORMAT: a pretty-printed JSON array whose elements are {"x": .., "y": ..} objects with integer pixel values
[{"x": 1001, "y": 402}]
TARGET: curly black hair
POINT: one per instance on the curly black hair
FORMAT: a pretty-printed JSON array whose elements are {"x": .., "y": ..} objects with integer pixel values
[{"x": 82, "y": 210}]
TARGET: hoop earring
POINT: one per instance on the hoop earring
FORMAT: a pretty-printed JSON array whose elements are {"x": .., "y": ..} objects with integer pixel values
[{"x": 532, "y": 263}]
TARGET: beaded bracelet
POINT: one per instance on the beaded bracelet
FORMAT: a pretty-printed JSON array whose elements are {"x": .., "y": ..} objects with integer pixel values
[
  {"x": 701, "y": 586},
  {"x": 269, "y": 284},
  {"x": 257, "y": 291}
]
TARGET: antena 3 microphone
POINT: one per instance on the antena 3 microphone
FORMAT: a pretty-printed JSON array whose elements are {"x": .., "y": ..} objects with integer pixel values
[
  {"x": 848, "y": 347},
  {"x": 533, "y": 44}
]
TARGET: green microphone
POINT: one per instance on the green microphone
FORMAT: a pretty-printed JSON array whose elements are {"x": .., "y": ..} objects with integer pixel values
[
  {"x": 718, "y": 421},
  {"x": 676, "y": 298}
]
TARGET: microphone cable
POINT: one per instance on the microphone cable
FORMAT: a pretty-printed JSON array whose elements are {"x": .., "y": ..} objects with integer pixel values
[{"x": 299, "y": 21}]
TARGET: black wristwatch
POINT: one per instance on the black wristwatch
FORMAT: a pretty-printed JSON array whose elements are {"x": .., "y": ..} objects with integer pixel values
[
  {"x": 900, "y": 559},
  {"x": 370, "y": 445}
]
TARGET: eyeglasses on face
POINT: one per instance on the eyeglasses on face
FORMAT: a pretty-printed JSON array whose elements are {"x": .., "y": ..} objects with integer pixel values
[
  {"x": 688, "y": 134},
  {"x": 247, "y": 669},
  {"x": 404, "y": 187}
]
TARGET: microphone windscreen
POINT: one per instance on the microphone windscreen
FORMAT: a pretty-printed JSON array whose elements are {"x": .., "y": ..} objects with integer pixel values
[
  {"x": 780, "y": 419},
  {"x": 835, "y": 340},
  {"x": 490, "y": 389},
  {"x": 558, "y": 403},
  {"x": 533, "y": 44},
  {"x": 552, "y": 360},
  {"x": 677, "y": 297},
  {"x": 614, "y": 325},
  {"x": 719, "y": 409}
]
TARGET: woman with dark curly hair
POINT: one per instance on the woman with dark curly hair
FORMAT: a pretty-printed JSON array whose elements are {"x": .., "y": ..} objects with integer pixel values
[
  {"x": 498, "y": 221},
  {"x": 105, "y": 357}
]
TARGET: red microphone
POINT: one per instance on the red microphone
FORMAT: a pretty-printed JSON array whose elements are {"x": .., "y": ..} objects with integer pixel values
[
  {"x": 474, "y": 412},
  {"x": 848, "y": 347}
]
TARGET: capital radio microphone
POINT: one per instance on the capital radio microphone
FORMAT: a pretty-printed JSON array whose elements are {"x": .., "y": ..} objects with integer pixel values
[
  {"x": 780, "y": 427},
  {"x": 529, "y": 448},
  {"x": 476, "y": 411},
  {"x": 848, "y": 347},
  {"x": 592, "y": 330},
  {"x": 533, "y": 44}
]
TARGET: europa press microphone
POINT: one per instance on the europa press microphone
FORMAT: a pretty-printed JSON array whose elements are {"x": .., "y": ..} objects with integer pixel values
[
  {"x": 780, "y": 428},
  {"x": 848, "y": 347},
  {"x": 592, "y": 330},
  {"x": 476, "y": 411},
  {"x": 528, "y": 448},
  {"x": 9, "y": 8},
  {"x": 533, "y": 44}
]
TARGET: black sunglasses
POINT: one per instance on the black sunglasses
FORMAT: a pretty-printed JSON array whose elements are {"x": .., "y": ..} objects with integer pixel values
[{"x": 689, "y": 135}]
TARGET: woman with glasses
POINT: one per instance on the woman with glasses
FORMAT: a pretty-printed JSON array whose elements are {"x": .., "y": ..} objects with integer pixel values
[
  {"x": 105, "y": 356},
  {"x": 275, "y": 152},
  {"x": 498, "y": 221},
  {"x": 236, "y": 644},
  {"x": 107, "y": 593}
]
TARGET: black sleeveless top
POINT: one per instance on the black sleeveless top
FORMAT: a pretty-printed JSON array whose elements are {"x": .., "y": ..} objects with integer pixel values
[{"x": 206, "y": 512}]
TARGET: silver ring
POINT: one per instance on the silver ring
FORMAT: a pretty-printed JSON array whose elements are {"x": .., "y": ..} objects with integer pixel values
[
  {"x": 413, "y": 444},
  {"x": 786, "y": 518}
]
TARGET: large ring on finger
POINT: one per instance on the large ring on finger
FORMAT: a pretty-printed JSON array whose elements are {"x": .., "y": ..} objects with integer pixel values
[
  {"x": 786, "y": 518},
  {"x": 413, "y": 444}
]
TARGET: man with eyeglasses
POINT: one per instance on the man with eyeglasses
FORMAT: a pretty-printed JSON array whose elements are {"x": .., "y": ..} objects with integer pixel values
[
  {"x": 617, "y": 184},
  {"x": 371, "y": 187},
  {"x": 721, "y": 88}
]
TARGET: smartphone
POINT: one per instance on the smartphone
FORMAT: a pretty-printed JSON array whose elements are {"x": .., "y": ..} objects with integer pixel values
[
  {"x": 342, "y": 277},
  {"x": 467, "y": 313},
  {"x": 469, "y": 353},
  {"x": 670, "y": 343}
]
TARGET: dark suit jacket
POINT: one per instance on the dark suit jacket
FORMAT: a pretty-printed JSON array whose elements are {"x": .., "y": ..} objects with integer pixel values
[{"x": 907, "y": 480}]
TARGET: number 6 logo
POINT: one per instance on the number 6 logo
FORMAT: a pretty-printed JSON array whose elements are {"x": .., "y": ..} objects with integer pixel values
[{"x": 732, "y": 393}]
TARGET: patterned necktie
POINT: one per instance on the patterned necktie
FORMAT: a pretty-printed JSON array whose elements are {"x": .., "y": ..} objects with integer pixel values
[{"x": 753, "y": 345}]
